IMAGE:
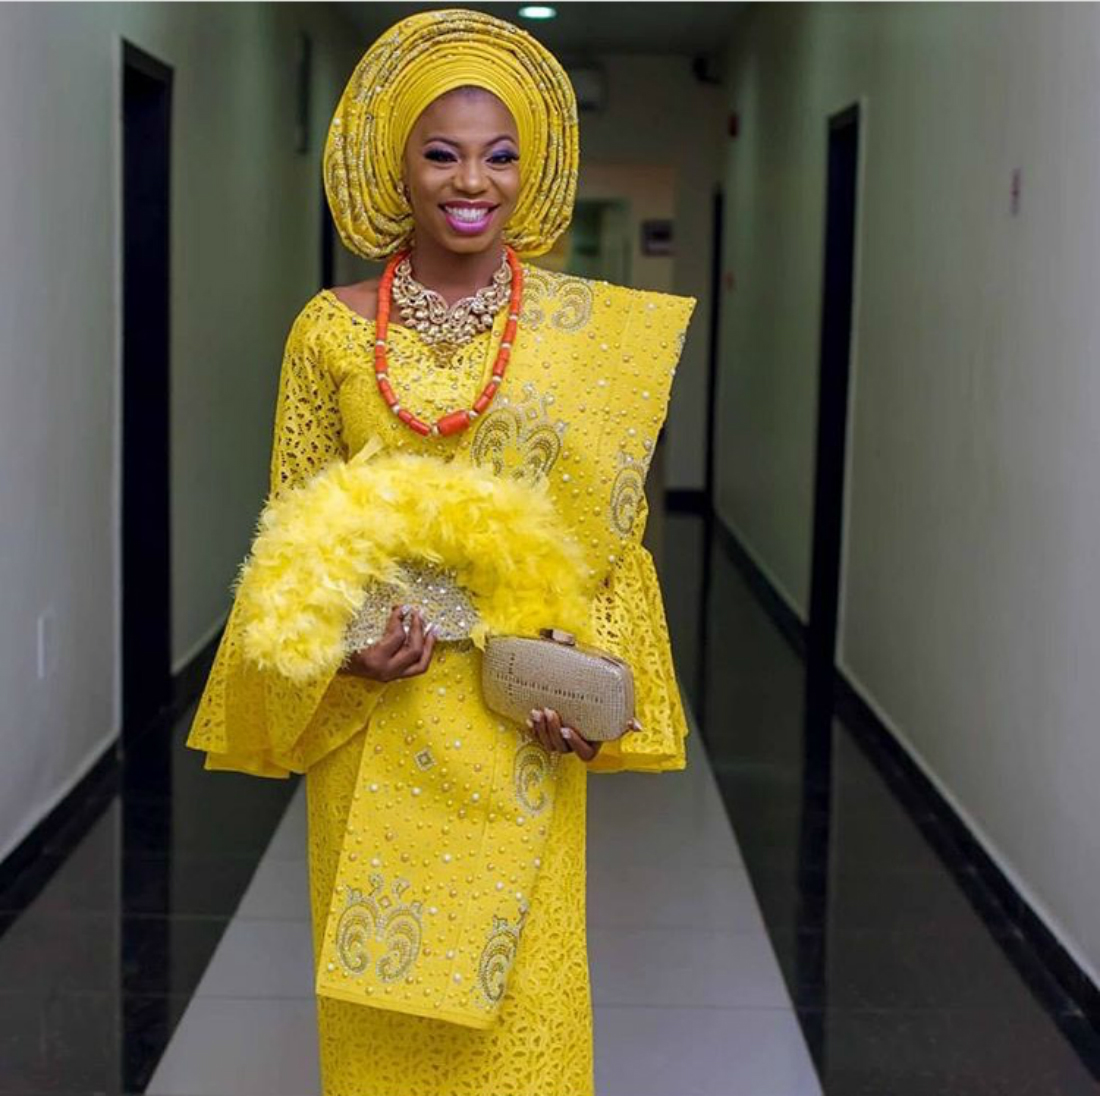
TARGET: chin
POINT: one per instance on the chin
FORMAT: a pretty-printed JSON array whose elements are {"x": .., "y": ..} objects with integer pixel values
[{"x": 473, "y": 245}]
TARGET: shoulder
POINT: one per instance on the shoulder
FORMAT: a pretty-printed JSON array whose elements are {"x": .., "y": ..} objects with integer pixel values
[
  {"x": 329, "y": 308},
  {"x": 360, "y": 297}
]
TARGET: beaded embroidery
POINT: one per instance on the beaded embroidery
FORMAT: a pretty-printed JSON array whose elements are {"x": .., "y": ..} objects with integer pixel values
[
  {"x": 433, "y": 590},
  {"x": 519, "y": 440},
  {"x": 498, "y": 957},
  {"x": 383, "y": 918}
]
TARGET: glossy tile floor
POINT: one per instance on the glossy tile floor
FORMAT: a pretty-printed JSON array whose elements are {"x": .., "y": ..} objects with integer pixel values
[
  {"x": 901, "y": 987},
  {"x": 163, "y": 936}
]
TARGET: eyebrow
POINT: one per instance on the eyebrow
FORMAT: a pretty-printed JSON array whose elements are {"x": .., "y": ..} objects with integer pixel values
[{"x": 456, "y": 144}]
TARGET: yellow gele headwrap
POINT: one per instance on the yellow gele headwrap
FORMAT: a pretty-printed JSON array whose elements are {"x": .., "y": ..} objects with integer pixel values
[{"x": 412, "y": 64}]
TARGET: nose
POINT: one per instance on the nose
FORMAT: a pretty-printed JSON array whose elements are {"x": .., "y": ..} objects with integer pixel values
[{"x": 471, "y": 175}]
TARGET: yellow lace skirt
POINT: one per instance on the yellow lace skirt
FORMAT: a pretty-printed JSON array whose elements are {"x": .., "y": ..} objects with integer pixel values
[{"x": 541, "y": 1043}]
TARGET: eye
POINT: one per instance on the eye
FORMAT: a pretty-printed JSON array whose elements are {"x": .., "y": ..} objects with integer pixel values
[
  {"x": 504, "y": 156},
  {"x": 439, "y": 155}
]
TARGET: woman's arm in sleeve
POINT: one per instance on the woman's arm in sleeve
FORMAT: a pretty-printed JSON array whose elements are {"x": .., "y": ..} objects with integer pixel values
[
  {"x": 629, "y": 620},
  {"x": 255, "y": 721}
]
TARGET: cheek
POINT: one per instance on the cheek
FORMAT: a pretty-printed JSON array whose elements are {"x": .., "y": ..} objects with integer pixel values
[{"x": 420, "y": 183}]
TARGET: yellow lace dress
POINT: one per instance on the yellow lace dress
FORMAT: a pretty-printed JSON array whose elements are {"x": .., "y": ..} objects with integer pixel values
[{"x": 426, "y": 811}]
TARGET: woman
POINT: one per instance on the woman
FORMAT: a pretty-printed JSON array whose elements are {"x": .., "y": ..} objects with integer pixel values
[{"x": 446, "y": 845}]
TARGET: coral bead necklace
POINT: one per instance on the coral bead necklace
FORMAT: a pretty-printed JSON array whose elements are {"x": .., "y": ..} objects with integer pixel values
[{"x": 456, "y": 421}]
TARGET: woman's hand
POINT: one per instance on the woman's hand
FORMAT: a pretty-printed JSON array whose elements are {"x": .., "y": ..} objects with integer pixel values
[
  {"x": 552, "y": 736},
  {"x": 396, "y": 654}
]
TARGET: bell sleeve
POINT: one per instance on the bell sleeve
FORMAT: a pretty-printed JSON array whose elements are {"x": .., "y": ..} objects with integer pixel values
[
  {"x": 256, "y": 721},
  {"x": 629, "y": 621},
  {"x": 628, "y": 611}
]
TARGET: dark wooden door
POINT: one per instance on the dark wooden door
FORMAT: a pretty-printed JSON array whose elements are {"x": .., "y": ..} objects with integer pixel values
[{"x": 146, "y": 575}]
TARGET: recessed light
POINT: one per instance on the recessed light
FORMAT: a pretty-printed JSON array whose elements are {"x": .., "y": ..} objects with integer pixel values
[{"x": 537, "y": 11}]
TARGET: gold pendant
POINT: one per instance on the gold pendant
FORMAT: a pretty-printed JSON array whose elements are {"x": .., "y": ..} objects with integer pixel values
[{"x": 445, "y": 327}]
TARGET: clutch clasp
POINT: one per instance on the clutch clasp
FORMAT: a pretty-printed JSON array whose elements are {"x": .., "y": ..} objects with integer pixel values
[{"x": 559, "y": 635}]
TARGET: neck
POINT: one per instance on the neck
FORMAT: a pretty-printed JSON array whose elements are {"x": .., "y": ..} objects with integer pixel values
[{"x": 451, "y": 274}]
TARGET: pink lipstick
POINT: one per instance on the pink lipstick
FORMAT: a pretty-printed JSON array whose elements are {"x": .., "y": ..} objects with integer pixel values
[{"x": 468, "y": 218}]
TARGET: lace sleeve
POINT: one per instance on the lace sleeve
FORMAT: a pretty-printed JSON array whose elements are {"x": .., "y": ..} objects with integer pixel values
[
  {"x": 629, "y": 621},
  {"x": 255, "y": 721}
]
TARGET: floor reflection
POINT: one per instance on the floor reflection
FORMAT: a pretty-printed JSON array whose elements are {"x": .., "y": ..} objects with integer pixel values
[
  {"x": 104, "y": 938},
  {"x": 907, "y": 981}
]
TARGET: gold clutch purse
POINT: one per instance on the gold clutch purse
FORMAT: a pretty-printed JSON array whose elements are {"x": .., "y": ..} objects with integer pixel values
[{"x": 589, "y": 688}]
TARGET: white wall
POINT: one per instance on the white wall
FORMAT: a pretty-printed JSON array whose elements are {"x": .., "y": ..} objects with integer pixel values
[
  {"x": 970, "y": 590},
  {"x": 245, "y": 256}
]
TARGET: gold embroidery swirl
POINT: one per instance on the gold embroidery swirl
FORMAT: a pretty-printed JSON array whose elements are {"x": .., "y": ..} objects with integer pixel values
[
  {"x": 518, "y": 440},
  {"x": 626, "y": 497},
  {"x": 376, "y": 918},
  {"x": 498, "y": 956},
  {"x": 356, "y": 928},
  {"x": 572, "y": 299},
  {"x": 532, "y": 768},
  {"x": 401, "y": 932}
]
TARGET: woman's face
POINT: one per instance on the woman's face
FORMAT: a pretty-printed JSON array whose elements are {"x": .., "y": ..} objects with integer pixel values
[{"x": 462, "y": 171}]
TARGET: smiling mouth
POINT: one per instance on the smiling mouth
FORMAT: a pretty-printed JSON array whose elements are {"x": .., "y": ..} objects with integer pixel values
[{"x": 468, "y": 219}]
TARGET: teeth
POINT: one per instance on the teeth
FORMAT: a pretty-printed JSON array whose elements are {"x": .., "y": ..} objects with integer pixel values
[{"x": 463, "y": 213}]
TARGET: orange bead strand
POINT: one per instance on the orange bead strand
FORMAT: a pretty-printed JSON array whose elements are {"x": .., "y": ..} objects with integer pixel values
[{"x": 455, "y": 421}]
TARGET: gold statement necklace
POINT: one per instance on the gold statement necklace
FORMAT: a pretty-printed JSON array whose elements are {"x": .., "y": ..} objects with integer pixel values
[
  {"x": 443, "y": 327},
  {"x": 456, "y": 420}
]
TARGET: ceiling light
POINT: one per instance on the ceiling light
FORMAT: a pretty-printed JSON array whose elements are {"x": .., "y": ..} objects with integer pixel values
[{"x": 537, "y": 11}]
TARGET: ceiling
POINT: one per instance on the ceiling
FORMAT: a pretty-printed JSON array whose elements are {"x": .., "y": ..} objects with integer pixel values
[{"x": 585, "y": 28}]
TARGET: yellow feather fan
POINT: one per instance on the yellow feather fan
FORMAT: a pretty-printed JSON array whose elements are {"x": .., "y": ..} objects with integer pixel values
[{"x": 319, "y": 545}]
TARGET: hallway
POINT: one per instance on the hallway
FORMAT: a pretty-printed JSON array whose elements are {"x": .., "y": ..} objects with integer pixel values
[
  {"x": 874, "y": 518},
  {"x": 166, "y": 947}
]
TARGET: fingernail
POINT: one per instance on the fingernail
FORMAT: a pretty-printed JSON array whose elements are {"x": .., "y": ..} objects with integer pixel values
[
  {"x": 531, "y": 724},
  {"x": 433, "y": 627},
  {"x": 566, "y": 732},
  {"x": 405, "y": 610}
]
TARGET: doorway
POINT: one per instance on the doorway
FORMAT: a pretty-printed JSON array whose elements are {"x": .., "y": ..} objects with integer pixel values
[
  {"x": 835, "y": 349},
  {"x": 146, "y": 574},
  {"x": 328, "y": 243}
]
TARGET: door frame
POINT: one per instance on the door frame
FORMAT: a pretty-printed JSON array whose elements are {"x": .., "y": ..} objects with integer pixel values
[{"x": 836, "y": 387}]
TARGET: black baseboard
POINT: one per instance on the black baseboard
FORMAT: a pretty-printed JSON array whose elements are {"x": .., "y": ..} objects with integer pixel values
[
  {"x": 32, "y": 863},
  {"x": 1048, "y": 968},
  {"x": 990, "y": 891},
  {"x": 28, "y": 868},
  {"x": 686, "y": 500},
  {"x": 784, "y": 617}
]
